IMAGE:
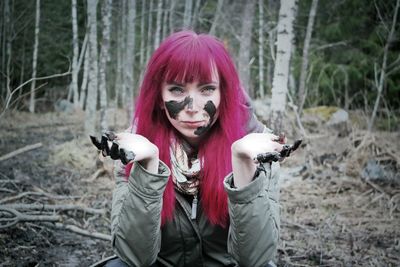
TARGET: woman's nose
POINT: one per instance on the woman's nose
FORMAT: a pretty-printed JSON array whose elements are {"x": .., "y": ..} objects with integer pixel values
[{"x": 191, "y": 105}]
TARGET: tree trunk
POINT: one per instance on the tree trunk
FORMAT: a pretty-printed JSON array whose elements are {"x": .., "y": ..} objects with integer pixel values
[
  {"x": 245, "y": 45},
  {"x": 85, "y": 76},
  {"x": 91, "y": 99},
  {"x": 158, "y": 25},
  {"x": 381, "y": 83},
  {"x": 172, "y": 15},
  {"x": 165, "y": 20},
  {"x": 216, "y": 17},
  {"x": 261, "y": 48},
  {"x": 75, "y": 45},
  {"x": 142, "y": 39},
  {"x": 149, "y": 31},
  {"x": 130, "y": 57},
  {"x": 301, "y": 96},
  {"x": 187, "y": 16},
  {"x": 34, "y": 60},
  {"x": 281, "y": 72},
  {"x": 104, "y": 55},
  {"x": 196, "y": 12},
  {"x": 273, "y": 11}
]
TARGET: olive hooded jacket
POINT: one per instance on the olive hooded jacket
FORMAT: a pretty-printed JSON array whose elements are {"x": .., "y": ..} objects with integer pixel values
[{"x": 138, "y": 239}]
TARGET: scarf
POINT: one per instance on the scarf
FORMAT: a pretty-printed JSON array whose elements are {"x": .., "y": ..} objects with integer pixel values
[{"x": 185, "y": 171}]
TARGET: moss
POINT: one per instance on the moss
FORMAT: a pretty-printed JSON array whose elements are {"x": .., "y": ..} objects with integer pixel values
[{"x": 325, "y": 112}]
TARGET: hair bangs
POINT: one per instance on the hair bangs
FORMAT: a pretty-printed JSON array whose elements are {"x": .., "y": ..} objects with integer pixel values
[{"x": 190, "y": 63}]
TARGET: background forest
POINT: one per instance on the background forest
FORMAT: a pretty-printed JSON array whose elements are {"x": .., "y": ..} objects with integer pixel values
[{"x": 325, "y": 71}]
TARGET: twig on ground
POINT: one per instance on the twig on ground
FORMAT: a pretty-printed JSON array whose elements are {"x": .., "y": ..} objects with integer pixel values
[
  {"x": 7, "y": 199},
  {"x": 53, "y": 207},
  {"x": 16, "y": 217},
  {"x": 80, "y": 231},
  {"x": 19, "y": 151}
]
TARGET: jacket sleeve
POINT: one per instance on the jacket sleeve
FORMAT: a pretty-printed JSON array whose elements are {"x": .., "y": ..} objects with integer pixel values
[
  {"x": 136, "y": 214},
  {"x": 254, "y": 218}
]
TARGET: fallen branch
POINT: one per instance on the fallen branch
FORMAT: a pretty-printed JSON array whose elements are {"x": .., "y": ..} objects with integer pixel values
[
  {"x": 78, "y": 230},
  {"x": 19, "y": 151},
  {"x": 7, "y": 199},
  {"x": 16, "y": 217},
  {"x": 53, "y": 207}
]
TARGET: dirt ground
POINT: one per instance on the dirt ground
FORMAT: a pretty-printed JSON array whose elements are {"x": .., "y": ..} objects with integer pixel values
[{"x": 330, "y": 215}]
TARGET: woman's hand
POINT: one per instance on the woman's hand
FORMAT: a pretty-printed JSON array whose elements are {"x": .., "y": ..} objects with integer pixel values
[
  {"x": 246, "y": 150},
  {"x": 129, "y": 148}
]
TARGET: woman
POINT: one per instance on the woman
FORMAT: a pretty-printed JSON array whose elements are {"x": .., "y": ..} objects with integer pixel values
[{"x": 191, "y": 194}]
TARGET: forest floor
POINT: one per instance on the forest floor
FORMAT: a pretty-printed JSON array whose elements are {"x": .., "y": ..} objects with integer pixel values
[{"x": 330, "y": 215}]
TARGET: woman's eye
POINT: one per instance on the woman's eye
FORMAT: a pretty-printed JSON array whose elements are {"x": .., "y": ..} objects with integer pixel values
[
  {"x": 176, "y": 90},
  {"x": 208, "y": 89}
]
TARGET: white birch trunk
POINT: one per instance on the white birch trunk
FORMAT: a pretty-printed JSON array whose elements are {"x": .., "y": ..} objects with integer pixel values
[
  {"x": 165, "y": 20},
  {"x": 92, "y": 92},
  {"x": 149, "y": 31},
  {"x": 381, "y": 83},
  {"x": 123, "y": 52},
  {"x": 158, "y": 24},
  {"x": 196, "y": 12},
  {"x": 172, "y": 15},
  {"x": 130, "y": 57},
  {"x": 282, "y": 63},
  {"x": 216, "y": 17},
  {"x": 187, "y": 16},
  {"x": 75, "y": 46},
  {"x": 261, "y": 48},
  {"x": 301, "y": 96},
  {"x": 245, "y": 45},
  {"x": 34, "y": 60},
  {"x": 85, "y": 78},
  {"x": 142, "y": 36},
  {"x": 104, "y": 55}
]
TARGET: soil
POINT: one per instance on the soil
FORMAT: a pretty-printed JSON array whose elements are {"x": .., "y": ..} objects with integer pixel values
[{"x": 330, "y": 217}]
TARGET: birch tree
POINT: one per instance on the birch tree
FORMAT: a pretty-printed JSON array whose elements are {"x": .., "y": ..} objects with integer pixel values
[
  {"x": 379, "y": 84},
  {"x": 142, "y": 35},
  {"x": 172, "y": 15},
  {"x": 85, "y": 78},
  {"x": 216, "y": 17},
  {"x": 165, "y": 20},
  {"x": 34, "y": 60},
  {"x": 149, "y": 30},
  {"x": 245, "y": 44},
  {"x": 261, "y": 48},
  {"x": 75, "y": 55},
  {"x": 92, "y": 92},
  {"x": 281, "y": 72},
  {"x": 130, "y": 56},
  {"x": 304, "y": 61},
  {"x": 158, "y": 24},
  {"x": 187, "y": 16},
  {"x": 104, "y": 55}
]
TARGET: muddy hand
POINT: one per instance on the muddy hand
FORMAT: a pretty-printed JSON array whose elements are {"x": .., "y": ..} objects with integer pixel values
[
  {"x": 109, "y": 138},
  {"x": 278, "y": 156}
]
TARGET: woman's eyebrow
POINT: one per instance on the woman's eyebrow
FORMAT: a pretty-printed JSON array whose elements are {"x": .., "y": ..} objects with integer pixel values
[
  {"x": 208, "y": 83},
  {"x": 175, "y": 84}
]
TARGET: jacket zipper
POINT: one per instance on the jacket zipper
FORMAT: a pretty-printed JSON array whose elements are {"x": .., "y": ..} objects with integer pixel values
[{"x": 194, "y": 208}]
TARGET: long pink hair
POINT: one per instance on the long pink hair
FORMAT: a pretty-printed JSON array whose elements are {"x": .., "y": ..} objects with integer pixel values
[{"x": 184, "y": 57}]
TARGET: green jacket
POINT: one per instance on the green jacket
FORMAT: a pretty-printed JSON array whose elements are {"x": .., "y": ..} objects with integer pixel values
[{"x": 138, "y": 239}]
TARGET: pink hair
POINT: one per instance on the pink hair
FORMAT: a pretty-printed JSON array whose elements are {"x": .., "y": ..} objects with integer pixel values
[{"x": 184, "y": 57}]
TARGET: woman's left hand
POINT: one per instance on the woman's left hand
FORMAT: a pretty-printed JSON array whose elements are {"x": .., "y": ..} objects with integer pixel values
[{"x": 246, "y": 149}]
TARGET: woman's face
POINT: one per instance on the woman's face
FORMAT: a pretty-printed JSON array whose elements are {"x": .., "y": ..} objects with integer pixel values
[{"x": 192, "y": 108}]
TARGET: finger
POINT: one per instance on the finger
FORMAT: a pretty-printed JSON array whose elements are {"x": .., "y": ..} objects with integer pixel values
[
  {"x": 111, "y": 136},
  {"x": 114, "y": 152},
  {"x": 104, "y": 145},
  {"x": 268, "y": 157},
  {"x": 126, "y": 156},
  {"x": 95, "y": 142}
]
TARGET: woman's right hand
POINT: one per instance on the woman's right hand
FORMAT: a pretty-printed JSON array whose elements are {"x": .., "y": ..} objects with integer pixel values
[{"x": 129, "y": 148}]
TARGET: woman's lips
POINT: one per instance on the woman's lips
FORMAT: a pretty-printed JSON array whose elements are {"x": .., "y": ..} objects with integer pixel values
[{"x": 193, "y": 124}]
